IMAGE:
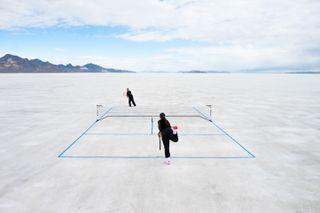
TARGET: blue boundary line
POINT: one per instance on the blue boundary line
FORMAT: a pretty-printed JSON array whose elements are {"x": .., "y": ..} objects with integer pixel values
[
  {"x": 146, "y": 134},
  {"x": 143, "y": 157},
  {"x": 102, "y": 116},
  {"x": 82, "y": 134},
  {"x": 222, "y": 130},
  {"x": 118, "y": 134}
]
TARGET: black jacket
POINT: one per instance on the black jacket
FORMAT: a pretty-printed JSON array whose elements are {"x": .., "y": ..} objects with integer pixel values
[
  {"x": 129, "y": 94},
  {"x": 163, "y": 124}
]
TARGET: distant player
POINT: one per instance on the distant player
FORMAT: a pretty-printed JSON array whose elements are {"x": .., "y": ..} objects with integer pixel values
[
  {"x": 167, "y": 133},
  {"x": 130, "y": 98}
]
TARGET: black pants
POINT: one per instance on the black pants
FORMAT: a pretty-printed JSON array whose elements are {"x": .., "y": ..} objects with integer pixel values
[
  {"x": 131, "y": 100},
  {"x": 167, "y": 135},
  {"x": 166, "y": 144}
]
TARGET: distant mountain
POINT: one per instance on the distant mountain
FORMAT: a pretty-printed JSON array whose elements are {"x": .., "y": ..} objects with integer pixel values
[
  {"x": 15, "y": 64},
  {"x": 305, "y": 72},
  {"x": 202, "y": 71},
  {"x": 94, "y": 68},
  {"x": 281, "y": 70}
]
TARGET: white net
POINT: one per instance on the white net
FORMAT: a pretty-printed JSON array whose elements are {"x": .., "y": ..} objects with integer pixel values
[{"x": 143, "y": 111}]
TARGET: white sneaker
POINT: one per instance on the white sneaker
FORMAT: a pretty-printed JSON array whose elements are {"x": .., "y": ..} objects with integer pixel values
[{"x": 167, "y": 161}]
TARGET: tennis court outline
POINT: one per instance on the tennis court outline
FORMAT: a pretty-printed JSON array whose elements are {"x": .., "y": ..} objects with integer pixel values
[{"x": 201, "y": 115}]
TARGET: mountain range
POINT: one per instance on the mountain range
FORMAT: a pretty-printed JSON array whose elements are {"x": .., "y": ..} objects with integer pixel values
[{"x": 15, "y": 64}]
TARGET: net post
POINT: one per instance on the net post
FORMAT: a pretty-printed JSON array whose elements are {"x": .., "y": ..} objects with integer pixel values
[
  {"x": 98, "y": 107},
  {"x": 151, "y": 132},
  {"x": 210, "y": 110}
]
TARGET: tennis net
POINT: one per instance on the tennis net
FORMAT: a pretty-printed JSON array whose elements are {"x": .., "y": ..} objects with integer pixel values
[{"x": 103, "y": 111}]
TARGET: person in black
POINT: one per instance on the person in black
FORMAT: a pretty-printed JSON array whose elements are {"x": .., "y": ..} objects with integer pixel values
[
  {"x": 130, "y": 97},
  {"x": 167, "y": 134}
]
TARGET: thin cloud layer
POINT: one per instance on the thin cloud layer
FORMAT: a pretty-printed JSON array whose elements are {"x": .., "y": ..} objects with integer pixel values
[{"x": 253, "y": 33}]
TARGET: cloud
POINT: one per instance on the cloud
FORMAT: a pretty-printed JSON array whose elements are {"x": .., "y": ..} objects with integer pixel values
[
  {"x": 248, "y": 33},
  {"x": 206, "y": 20},
  {"x": 233, "y": 58},
  {"x": 45, "y": 13}
]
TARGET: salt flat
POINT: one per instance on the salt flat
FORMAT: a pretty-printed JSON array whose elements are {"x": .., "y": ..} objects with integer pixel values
[{"x": 275, "y": 116}]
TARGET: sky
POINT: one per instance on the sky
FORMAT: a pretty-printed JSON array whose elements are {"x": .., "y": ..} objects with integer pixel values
[{"x": 165, "y": 35}]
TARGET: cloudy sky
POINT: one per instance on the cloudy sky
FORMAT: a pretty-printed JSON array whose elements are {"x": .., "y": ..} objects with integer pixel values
[{"x": 165, "y": 35}]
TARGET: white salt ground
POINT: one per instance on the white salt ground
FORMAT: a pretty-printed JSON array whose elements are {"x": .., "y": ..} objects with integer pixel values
[{"x": 275, "y": 116}]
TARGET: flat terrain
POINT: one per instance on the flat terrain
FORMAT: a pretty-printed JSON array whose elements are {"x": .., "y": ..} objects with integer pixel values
[{"x": 274, "y": 116}]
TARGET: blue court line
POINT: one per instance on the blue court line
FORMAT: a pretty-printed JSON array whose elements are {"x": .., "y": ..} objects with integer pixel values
[
  {"x": 234, "y": 140},
  {"x": 102, "y": 116},
  {"x": 177, "y": 157},
  {"x": 82, "y": 134},
  {"x": 144, "y": 157},
  {"x": 118, "y": 134},
  {"x": 146, "y": 134}
]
